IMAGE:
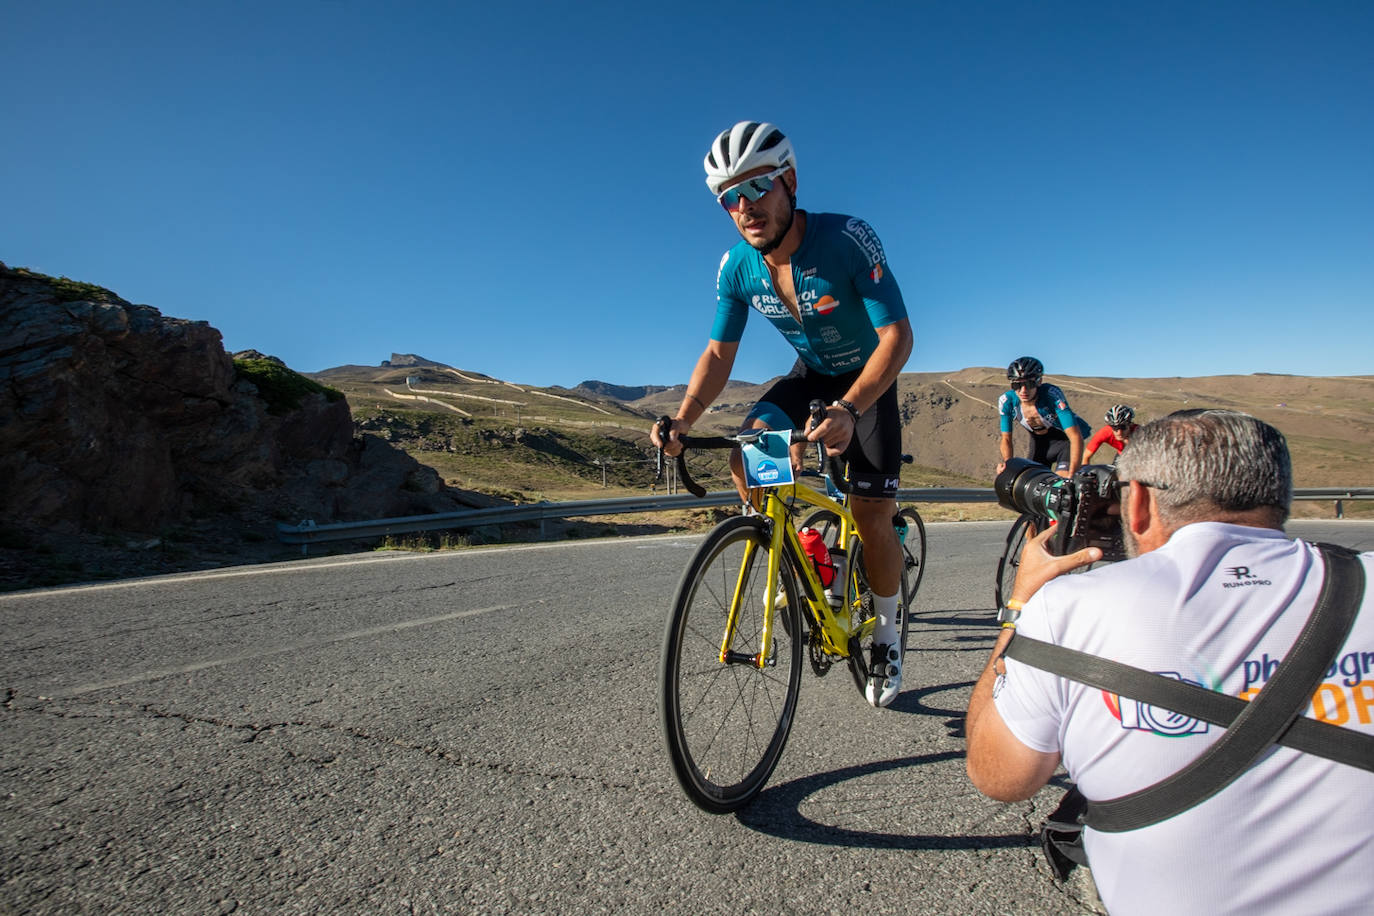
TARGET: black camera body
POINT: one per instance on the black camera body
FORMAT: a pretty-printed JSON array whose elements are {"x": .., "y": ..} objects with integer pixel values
[{"x": 1079, "y": 504}]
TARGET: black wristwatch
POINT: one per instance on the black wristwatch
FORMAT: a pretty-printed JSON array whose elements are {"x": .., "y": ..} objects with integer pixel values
[{"x": 850, "y": 408}]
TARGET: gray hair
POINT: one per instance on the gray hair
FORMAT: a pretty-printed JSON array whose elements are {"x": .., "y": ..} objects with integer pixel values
[{"x": 1207, "y": 461}]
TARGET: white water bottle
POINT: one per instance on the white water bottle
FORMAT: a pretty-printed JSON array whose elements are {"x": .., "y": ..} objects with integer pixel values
[{"x": 835, "y": 593}]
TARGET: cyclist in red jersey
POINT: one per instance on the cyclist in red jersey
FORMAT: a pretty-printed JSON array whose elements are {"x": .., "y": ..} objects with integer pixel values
[{"x": 1117, "y": 433}]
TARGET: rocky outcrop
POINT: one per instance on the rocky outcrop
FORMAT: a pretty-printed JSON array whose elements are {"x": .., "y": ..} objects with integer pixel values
[{"x": 115, "y": 418}]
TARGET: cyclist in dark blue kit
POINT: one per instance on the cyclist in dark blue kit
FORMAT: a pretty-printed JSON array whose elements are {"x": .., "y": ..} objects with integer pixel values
[
  {"x": 1057, "y": 433},
  {"x": 823, "y": 281}
]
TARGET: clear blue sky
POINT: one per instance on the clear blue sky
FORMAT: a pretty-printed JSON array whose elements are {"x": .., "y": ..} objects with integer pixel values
[{"x": 1132, "y": 189}]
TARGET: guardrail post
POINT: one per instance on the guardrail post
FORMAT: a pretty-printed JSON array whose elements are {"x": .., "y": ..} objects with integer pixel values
[{"x": 1340, "y": 510}]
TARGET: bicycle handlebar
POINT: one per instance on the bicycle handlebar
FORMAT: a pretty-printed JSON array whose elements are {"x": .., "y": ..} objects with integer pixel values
[{"x": 665, "y": 425}]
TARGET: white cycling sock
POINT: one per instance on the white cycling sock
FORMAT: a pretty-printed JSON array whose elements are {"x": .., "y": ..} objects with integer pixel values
[{"x": 885, "y": 626}]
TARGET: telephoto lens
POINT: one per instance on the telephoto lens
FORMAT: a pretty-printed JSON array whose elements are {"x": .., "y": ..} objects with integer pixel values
[{"x": 1033, "y": 489}]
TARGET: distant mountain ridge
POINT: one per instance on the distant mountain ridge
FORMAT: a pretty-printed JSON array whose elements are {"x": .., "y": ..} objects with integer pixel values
[{"x": 620, "y": 392}]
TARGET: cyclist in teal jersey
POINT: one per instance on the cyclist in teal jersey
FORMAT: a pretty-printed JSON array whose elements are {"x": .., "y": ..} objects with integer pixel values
[
  {"x": 822, "y": 280},
  {"x": 1057, "y": 433}
]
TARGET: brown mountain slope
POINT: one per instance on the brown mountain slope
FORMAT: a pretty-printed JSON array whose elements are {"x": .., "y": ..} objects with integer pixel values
[{"x": 950, "y": 419}]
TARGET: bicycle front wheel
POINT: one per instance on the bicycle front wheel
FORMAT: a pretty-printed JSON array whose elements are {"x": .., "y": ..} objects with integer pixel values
[
  {"x": 726, "y": 723},
  {"x": 1011, "y": 560}
]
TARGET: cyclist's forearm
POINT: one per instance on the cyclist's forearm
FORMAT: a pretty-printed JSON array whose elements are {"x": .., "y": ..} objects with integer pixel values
[
  {"x": 1004, "y": 446},
  {"x": 708, "y": 380},
  {"x": 883, "y": 367},
  {"x": 1075, "y": 450}
]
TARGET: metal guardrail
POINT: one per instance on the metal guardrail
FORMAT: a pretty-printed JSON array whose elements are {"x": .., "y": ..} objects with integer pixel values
[{"x": 307, "y": 532}]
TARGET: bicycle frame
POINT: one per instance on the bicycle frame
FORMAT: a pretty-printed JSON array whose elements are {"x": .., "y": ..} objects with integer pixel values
[{"x": 833, "y": 628}]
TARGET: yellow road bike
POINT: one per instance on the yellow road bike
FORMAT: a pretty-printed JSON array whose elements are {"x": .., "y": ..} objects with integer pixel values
[{"x": 749, "y": 604}]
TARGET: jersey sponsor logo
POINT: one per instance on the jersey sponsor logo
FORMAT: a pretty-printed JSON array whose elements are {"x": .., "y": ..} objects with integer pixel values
[
  {"x": 877, "y": 273},
  {"x": 891, "y": 483},
  {"x": 1137, "y": 716},
  {"x": 1242, "y": 577},
  {"x": 829, "y": 335},
  {"x": 769, "y": 306},
  {"x": 862, "y": 235},
  {"x": 826, "y": 304}
]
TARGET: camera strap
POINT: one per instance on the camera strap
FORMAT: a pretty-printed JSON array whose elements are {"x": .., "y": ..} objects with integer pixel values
[{"x": 1274, "y": 716}]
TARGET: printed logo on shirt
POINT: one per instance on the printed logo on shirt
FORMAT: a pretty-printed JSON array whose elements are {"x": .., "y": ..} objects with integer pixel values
[
  {"x": 863, "y": 236},
  {"x": 1345, "y": 696},
  {"x": 1241, "y": 576},
  {"x": 877, "y": 273},
  {"x": 826, "y": 304},
  {"x": 1138, "y": 716},
  {"x": 769, "y": 306}
]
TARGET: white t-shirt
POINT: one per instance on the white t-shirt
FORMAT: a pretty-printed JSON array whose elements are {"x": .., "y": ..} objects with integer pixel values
[{"x": 1295, "y": 833}]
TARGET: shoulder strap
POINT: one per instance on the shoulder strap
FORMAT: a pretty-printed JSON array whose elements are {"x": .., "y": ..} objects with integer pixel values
[{"x": 1275, "y": 715}]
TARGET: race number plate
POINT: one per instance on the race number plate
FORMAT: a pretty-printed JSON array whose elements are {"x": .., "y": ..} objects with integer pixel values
[{"x": 766, "y": 463}]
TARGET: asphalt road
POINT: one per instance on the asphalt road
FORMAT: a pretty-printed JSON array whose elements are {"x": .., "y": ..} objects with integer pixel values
[{"x": 476, "y": 732}]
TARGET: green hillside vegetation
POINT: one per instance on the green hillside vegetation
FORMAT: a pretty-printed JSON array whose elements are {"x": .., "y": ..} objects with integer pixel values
[
  {"x": 69, "y": 290},
  {"x": 279, "y": 386}
]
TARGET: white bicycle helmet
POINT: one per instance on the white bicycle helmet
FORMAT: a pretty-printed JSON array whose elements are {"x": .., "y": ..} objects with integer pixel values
[
  {"x": 746, "y": 146},
  {"x": 1120, "y": 415}
]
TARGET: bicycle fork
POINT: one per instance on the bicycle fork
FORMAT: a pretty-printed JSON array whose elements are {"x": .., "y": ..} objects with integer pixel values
[{"x": 772, "y": 588}]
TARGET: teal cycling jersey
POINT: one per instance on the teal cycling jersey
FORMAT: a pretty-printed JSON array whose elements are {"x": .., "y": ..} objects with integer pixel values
[
  {"x": 845, "y": 292},
  {"x": 1050, "y": 405}
]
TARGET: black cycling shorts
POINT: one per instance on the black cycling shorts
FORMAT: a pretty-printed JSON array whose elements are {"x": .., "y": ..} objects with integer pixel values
[
  {"x": 1051, "y": 448},
  {"x": 874, "y": 454}
]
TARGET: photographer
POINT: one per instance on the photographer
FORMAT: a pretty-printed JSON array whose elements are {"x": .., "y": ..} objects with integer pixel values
[{"x": 1215, "y": 594}]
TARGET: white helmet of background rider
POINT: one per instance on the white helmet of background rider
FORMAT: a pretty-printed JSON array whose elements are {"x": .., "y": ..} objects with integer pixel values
[{"x": 746, "y": 146}]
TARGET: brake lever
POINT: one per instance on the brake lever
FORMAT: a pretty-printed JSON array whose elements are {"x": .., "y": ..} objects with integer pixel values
[
  {"x": 817, "y": 409},
  {"x": 665, "y": 427}
]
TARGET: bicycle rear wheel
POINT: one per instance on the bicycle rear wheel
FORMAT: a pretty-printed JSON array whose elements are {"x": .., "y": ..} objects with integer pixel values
[
  {"x": 913, "y": 555},
  {"x": 1010, "y": 561},
  {"x": 725, "y": 724}
]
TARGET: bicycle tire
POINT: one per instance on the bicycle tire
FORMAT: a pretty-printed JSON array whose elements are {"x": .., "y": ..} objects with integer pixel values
[
  {"x": 1010, "y": 561},
  {"x": 914, "y": 550},
  {"x": 725, "y": 725}
]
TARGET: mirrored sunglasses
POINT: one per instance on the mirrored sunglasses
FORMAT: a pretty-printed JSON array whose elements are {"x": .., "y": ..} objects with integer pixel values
[
  {"x": 1026, "y": 383},
  {"x": 753, "y": 189}
]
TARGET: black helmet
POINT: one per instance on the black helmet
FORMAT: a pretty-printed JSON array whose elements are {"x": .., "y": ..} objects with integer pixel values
[
  {"x": 1027, "y": 368},
  {"x": 1120, "y": 415}
]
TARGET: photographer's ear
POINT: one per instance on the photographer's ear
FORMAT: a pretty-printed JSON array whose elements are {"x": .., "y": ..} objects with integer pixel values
[
  {"x": 1143, "y": 519},
  {"x": 1140, "y": 508}
]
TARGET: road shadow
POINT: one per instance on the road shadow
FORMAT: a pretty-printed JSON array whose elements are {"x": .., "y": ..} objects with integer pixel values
[
  {"x": 913, "y": 702},
  {"x": 797, "y": 810}
]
